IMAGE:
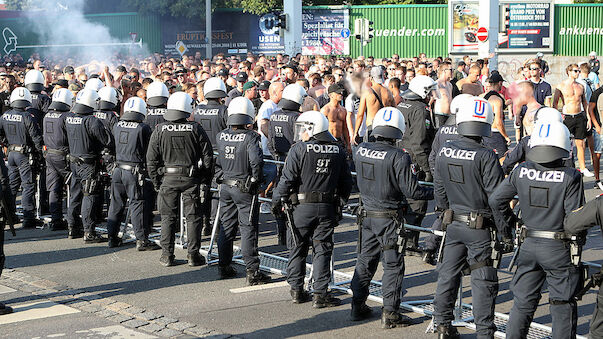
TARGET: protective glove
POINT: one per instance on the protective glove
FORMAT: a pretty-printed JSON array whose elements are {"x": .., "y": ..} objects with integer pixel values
[
  {"x": 428, "y": 176},
  {"x": 507, "y": 245},
  {"x": 276, "y": 208}
]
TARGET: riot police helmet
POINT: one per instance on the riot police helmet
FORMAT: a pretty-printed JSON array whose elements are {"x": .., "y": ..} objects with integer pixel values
[
  {"x": 108, "y": 98},
  {"x": 86, "y": 101},
  {"x": 312, "y": 124},
  {"x": 34, "y": 81},
  {"x": 550, "y": 141},
  {"x": 135, "y": 109},
  {"x": 389, "y": 123},
  {"x": 474, "y": 118},
  {"x": 157, "y": 94},
  {"x": 20, "y": 98},
  {"x": 179, "y": 106},
  {"x": 214, "y": 88},
  {"x": 62, "y": 100},
  {"x": 240, "y": 112}
]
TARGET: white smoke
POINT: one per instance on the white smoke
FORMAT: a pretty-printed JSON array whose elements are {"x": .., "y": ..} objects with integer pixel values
[{"x": 62, "y": 23}]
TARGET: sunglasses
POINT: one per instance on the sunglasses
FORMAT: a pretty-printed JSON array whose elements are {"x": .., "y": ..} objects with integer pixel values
[
  {"x": 534, "y": 69},
  {"x": 391, "y": 69},
  {"x": 576, "y": 70}
]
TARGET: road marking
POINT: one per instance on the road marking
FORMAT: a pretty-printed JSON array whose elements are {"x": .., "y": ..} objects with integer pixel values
[
  {"x": 259, "y": 287},
  {"x": 56, "y": 335},
  {"x": 119, "y": 332},
  {"x": 36, "y": 310},
  {"x": 4, "y": 289}
]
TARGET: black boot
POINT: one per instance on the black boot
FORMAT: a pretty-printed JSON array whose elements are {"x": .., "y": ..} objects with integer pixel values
[
  {"x": 360, "y": 311},
  {"x": 282, "y": 239},
  {"x": 300, "y": 296},
  {"x": 146, "y": 245},
  {"x": 227, "y": 272},
  {"x": 93, "y": 238},
  {"x": 5, "y": 309},
  {"x": 58, "y": 225},
  {"x": 447, "y": 332},
  {"x": 325, "y": 300},
  {"x": 32, "y": 223},
  {"x": 75, "y": 233},
  {"x": 167, "y": 259},
  {"x": 207, "y": 227},
  {"x": 391, "y": 319},
  {"x": 115, "y": 241},
  {"x": 195, "y": 259},
  {"x": 257, "y": 278}
]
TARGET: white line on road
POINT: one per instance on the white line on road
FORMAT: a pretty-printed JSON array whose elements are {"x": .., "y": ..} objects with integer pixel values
[
  {"x": 259, "y": 287},
  {"x": 37, "y": 310},
  {"x": 4, "y": 289}
]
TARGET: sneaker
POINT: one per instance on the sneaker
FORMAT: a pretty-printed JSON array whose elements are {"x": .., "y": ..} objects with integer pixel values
[
  {"x": 115, "y": 241},
  {"x": 360, "y": 311},
  {"x": 447, "y": 332},
  {"x": 167, "y": 260},
  {"x": 587, "y": 173},
  {"x": 257, "y": 278},
  {"x": 146, "y": 245},
  {"x": 93, "y": 238},
  {"x": 325, "y": 300},
  {"x": 265, "y": 208},
  {"x": 392, "y": 319},
  {"x": 300, "y": 296},
  {"x": 227, "y": 272},
  {"x": 195, "y": 259},
  {"x": 599, "y": 185}
]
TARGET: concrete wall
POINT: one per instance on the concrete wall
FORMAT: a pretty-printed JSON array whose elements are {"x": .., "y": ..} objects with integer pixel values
[{"x": 509, "y": 64}]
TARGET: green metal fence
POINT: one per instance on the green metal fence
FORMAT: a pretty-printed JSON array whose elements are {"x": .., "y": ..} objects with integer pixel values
[{"x": 579, "y": 29}]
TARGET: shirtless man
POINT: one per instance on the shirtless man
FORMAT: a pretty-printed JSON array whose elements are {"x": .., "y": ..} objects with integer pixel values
[
  {"x": 336, "y": 114},
  {"x": 394, "y": 88},
  {"x": 574, "y": 106},
  {"x": 470, "y": 84},
  {"x": 442, "y": 105},
  {"x": 373, "y": 99},
  {"x": 499, "y": 139}
]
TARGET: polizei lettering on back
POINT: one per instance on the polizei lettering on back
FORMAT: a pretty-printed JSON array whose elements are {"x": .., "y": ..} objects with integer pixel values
[
  {"x": 279, "y": 117},
  {"x": 205, "y": 111},
  {"x": 74, "y": 120},
  {"x": 156, "y": 111},
  {"x": 127, "y": 124},
  {"x": 460, "y": 154},
  {"x": 536, "y": 175},
  {"x": 13, "y": 117},
  {"x": 324, "y": 149},
  {"x": 232, "y": 137},
  {"x": 448, "y": 130},
  {"x": 371, "y": 154},
  {"x": 177, "y": 128}
]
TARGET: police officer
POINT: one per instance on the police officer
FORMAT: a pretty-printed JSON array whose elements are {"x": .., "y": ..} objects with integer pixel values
[
  {"x": 384, "y": 178},
  {"x": 19, "y": 131},
  {"x": 34, "y": 82},
  {"x": 8, "y": 209},
  {"x": 179, "y": 159},
  {"x": 94, "y": 84},
  {"x": 239, "y": 172},
  {"x": 87, "y": 137},
  {"x": 417, "y": 141},
  {"x": 212, "y": 116},
  {"x": 57, "y": 149},
  {"x": 577, "y": 222},
  {"x": 316, "y": 179},
  {"x": 547, "y": 192},
  {"x": 445, "y": 133},
  {"x": 157, "y": 97},
  {"x": 128, "y": 181},
  {"x": 466, "y": 175},
  {"x": 281, "y": 136}
]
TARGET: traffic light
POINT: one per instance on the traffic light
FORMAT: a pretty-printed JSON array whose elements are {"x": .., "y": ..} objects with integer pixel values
[
  {"x": 368, "y": 31},
  {"x": 358, "y": 26},
  {"x": 281, "y": 21}
]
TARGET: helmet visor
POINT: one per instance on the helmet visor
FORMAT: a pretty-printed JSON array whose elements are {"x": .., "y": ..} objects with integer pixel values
[{"x": 303, "y": 131}]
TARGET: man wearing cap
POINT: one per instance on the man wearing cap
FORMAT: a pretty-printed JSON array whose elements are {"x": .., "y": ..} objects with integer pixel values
[
  {"x": 250, "y": 92},
  {"x": 120, "y": 73},
  {"x": 499, "y": 139},
  {"x": 241, "y": 79},
  {"x": 264, "y": 95},
  {"x": 372, "y": 100},
  {"x": 594, "y": 62},
  {"x": 336, "y": 114}
]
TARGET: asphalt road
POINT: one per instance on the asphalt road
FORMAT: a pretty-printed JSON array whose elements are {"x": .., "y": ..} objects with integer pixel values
[{"x": 92, "y": 291}]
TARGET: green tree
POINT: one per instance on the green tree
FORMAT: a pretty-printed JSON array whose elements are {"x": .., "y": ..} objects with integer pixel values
[{"x": 17, "y": 5}]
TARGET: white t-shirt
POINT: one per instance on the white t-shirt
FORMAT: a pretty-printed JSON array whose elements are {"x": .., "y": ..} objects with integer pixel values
[
  {"x": 352, "y": 103},
  {"x": 266, "y": 110}
]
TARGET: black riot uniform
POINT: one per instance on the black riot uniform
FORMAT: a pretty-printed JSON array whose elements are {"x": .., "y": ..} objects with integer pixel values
[
  {"x": 179, "y": 159},
  {"x": 547, "y": 193},
  {"x": 317, "y": 178},
  {"x": 417, "y": 142},
  {"x": 108, "y": 118},
  {"x": 57, "y": 167},
  {"x": 87, "y": 138},
  {"x": 19, "y": 131},
  {"x": 280, "y": 138},
  {"x": 155, "y": 116},
  {"x": 384, "y": 178},
  {"x": 128, "y": 181},
  {"x": 9, "y": 208},
  {"x": 466, "y": 174},
  {"x": 577, "y": 222},
  {"x": 40, "y": 103},
  {"x": 239, "y": 171}
]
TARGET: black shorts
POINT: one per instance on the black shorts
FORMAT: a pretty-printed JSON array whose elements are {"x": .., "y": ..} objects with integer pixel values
[
  {"x": 576, "y": 125},
  {"x": 497, "y": 143}
]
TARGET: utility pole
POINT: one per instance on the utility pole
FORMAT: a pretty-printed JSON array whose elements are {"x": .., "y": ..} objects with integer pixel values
[
  {"x": 488, "y": 18},
  {"x": 208, "y": 51},
  {"x": 293, "y": 29}
]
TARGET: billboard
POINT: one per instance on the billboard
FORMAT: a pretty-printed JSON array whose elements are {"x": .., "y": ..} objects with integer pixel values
[
  {"x": 523, "y": 26},
  {"x": 325, "y": 32}
]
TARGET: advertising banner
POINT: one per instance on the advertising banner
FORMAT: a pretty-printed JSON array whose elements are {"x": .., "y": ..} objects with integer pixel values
[
  {"x": 325, "y": 32},
  {"x": 464, "y": 22}
]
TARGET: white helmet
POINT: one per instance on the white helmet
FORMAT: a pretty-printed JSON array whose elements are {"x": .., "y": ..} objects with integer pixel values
[
  {"x": 550, "y": 141},
  {"x": 94, "y": 84},
  {"x": 134, "y": 109},
  {"x": 294, "y": 93},
  {"x": 157, "y": 94},
  {"x": 20, "y": 98},
  {"x": 547, "y": 114},
  {"x": 34, "y": 81},
  {"x": 539, "y": 55},
  {"x": 62, "y": 100},
  {"x": 474, "y": 118},
  {"x": 457, "y": 102},
  {"x": 313, "y": 124},
  {"x": 423, "y": 85},
  {"x": 108, "y": 98},
  {"x": 179, "y": 106},
  {"x": 214, "y": 88},
  {"x": 389, "y": 123},
  {"x": 240, "y": 112},
  {"x": 86, "y": 101}
]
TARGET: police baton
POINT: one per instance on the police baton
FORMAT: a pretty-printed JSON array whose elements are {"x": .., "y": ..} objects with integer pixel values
[{"x": 288, "y": 210}]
